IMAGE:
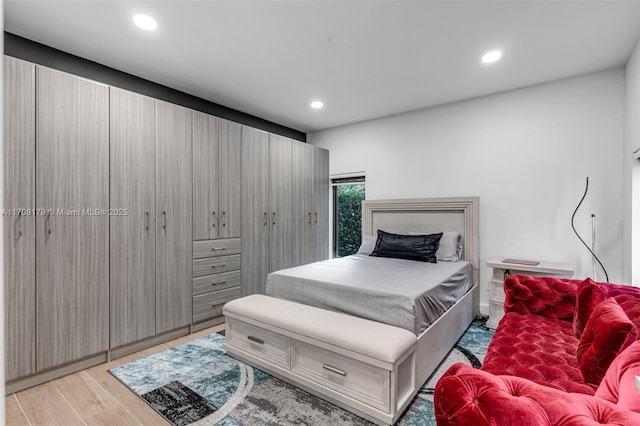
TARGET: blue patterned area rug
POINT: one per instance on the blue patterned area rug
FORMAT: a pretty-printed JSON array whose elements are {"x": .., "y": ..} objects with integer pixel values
[{"x": 198, "y": 384}]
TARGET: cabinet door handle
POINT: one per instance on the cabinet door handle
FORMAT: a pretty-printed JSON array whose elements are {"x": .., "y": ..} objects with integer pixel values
[
  {"x": 309, "y": 217},
  {"x": 164, "y": 220},
  {"x": 224, "y": 219},
  {"x": 273, "y": 218},
  {"x": 256, "y": 339},
  {"x": 20, "y": 221},
  {"x": 265, "y": 218},
  {"x": 49, "y": 230},
  {"x": 146, "y": 221},
  {"x": 334, "y": 370},
  {"x": 213, "y": 215},
  {"x": 316, "y": 217}
]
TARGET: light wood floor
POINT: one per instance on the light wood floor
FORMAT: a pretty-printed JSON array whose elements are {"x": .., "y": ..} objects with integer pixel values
[{"x": 90, "y": 397}]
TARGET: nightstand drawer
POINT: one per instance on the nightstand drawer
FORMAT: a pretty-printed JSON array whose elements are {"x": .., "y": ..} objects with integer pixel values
[
  {"x": 214, "y": 248},
  {"x": 496, "y": 312},
  {"x": 496, "y": 290},
  {"x": 215, "y": 265}
]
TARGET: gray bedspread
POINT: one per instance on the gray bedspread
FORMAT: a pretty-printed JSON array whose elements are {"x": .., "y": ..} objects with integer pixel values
[{"x": 402, "y": 293}]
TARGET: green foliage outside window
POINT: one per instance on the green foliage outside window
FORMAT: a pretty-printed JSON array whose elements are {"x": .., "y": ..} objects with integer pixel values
[{"x": 349, "y": 218}]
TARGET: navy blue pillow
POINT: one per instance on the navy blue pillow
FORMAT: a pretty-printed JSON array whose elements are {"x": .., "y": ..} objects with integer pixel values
[{"x": 412, "y": 247}]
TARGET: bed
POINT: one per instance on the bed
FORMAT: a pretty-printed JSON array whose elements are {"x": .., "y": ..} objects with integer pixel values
[
  {"x": 432, "y": 215},
  {"x": 404, "y": 293},
  {"x": 433, "y": 336}
]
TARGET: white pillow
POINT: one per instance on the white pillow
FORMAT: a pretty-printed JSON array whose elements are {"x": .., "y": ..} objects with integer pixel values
[
  {"x": 449, "y": 248},
  {"x": 368, "y": 244}
]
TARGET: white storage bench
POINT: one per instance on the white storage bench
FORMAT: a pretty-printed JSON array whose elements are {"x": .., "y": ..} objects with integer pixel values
[{"x": 363, "y": 366}]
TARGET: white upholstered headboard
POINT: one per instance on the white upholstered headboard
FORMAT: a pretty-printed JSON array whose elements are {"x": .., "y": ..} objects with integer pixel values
[{"x": 428, "y": 215}]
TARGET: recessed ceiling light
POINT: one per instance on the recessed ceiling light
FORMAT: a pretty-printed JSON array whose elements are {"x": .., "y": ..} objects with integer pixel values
[
  {"x": 492, "y": 56},
  {"x": 145, "y": 22},
  {"x": 316, "y": 104}
]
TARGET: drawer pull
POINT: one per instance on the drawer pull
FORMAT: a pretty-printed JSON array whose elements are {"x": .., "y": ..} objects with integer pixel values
[
  {"x": 256, "y": 339},
  {"x": 334, "y": 370},
  {"x": 219, "y": 282},
  {"x": 221, "y": 266},
  {"x": 217, "y": 248}
]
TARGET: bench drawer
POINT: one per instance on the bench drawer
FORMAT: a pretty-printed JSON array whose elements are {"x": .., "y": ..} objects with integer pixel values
[
  {"x": 348, "y": 376},
  {"x": 267, "y": 345},
  {"x": 216, "y": 282},
  {"x": 215, "y": 265},
  {"x": 209, "y": 305},
  {"x": 214, "y": 248}
]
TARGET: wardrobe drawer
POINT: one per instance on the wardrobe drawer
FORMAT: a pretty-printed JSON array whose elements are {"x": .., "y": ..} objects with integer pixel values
[
  {"x": 216, "y": 282},
  {"x": 264, "y": 344},
  {"x": 216, "y": 265},
  {"x": 209, "y": 305},
  {"x": 212, "y": 248},
  {"x": 361, "y": 381}
]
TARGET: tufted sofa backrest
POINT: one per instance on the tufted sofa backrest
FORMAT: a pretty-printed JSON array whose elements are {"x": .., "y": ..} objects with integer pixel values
[{"x": 553, "y": 298}]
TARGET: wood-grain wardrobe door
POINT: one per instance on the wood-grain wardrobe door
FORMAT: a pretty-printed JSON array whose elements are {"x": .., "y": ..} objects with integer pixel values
[{"x": 72, "y": 244}]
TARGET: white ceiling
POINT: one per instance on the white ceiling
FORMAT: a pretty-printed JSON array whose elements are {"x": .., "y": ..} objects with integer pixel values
[{"x": 364, "y": 59}]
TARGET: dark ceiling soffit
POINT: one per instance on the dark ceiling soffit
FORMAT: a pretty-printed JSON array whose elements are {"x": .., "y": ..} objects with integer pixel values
[{"x": 22, "y": 48}]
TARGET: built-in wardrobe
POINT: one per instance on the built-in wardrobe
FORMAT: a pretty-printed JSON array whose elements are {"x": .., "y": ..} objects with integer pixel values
[
  {"x": 217, "y": 173},
  {"x": 151, "y": 217},
  {"x": 285, "y": 211},
  {"x": 130, "y": 221}
]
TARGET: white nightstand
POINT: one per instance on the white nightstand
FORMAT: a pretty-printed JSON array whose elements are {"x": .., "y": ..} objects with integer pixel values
[{"x": 501, "y": 270}]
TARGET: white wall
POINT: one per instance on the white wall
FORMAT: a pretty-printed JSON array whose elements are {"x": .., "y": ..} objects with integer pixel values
[
  {"x": 631, "y": 170},
  {"x": 525, "y": 153}
]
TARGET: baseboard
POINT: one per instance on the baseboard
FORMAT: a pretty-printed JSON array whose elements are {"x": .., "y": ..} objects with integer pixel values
[
  {"x": 484, "y": 309},
  {"x": 208, "y": 323},
  {"x": 55, "y": 373},
  {"x": 101, "y": 358}
]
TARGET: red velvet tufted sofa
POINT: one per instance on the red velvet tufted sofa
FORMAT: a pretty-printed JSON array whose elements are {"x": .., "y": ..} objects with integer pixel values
[{"x": 565, "y": 353}]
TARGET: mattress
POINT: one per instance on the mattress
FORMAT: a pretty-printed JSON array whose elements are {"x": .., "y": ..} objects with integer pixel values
[{"x": 402, "y": 293}]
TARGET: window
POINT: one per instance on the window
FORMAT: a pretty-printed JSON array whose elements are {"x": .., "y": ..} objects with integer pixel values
[{"x": 348, "y": 194}]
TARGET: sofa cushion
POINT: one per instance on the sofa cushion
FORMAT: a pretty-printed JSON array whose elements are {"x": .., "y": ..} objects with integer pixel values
[
  {"x": 608, "y": 332},
  {"x": 590, "y": 294},
  {"x": 618, "y": 384},
  {"x": 536, "y": 348},
  {"x": 629, "y": 300}
]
